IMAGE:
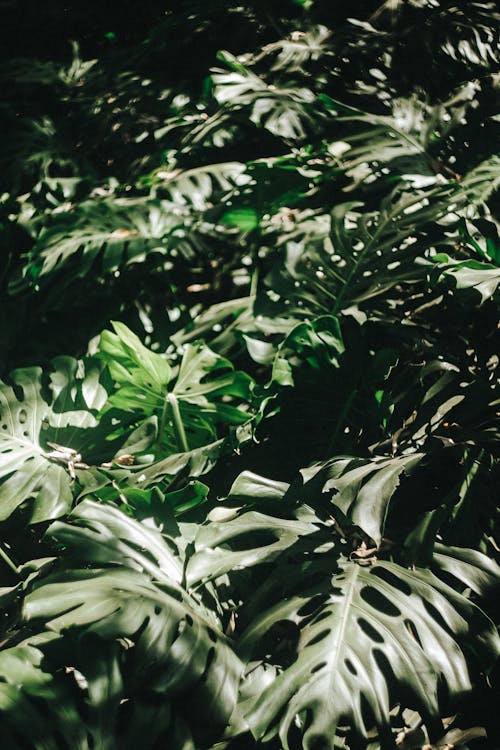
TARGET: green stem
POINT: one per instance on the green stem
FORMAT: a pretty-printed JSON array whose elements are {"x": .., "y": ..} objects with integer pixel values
[
  {"x": 5, "y": 557},
  {"x": 254, "y": 283},
  {"x": 172, "y": 404}
]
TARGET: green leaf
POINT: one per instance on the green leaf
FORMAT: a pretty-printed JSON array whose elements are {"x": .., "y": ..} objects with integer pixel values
[
  {"x": 284, "y": 111},
  {"x": 251, "y": 486},
  {"x": 343, "y": 639},
  {"x": 469, "y": 568},
  {"x": 358, "y": 631},
  {"x": 483, "y": 278},
  {"x": 189, "y": 404},
  {"x": 319, "y": 343},
  {"x": 118, "y": 233},
  {"x": 270, "y": 537},
  {"x": 130, "y": 361},
  {"x": 245, "y": 219},
  {"x": 123, "y": 580},
  {"x": 361, "y": 488},
  {"x": 32, "y": 416}
]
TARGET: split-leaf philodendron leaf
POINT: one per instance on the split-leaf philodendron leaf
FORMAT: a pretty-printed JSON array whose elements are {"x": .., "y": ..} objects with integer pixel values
[{"x": 249, "y": 403}]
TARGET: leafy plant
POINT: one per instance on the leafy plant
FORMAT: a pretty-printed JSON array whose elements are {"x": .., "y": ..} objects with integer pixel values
[
  {"x": 249, "y": 408},
  {"x": 189, "y": 410},
  {"x": 34, "y": 415}
]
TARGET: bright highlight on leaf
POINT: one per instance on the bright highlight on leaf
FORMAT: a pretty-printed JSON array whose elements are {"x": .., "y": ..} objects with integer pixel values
[{"x": 249, "y": 409}]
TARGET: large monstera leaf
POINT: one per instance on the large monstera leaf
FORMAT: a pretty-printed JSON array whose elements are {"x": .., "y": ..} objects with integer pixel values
[
  {"x": 119, "y": 233},
  {"x": 189, "y": 400},
  {"x": 123, "y": 618},
  {"x": 333, "y": 639},
  {"x": 62, "y": 693},
  {"x": 35, "y": 411},
  {"x": 360, "y": 632}
]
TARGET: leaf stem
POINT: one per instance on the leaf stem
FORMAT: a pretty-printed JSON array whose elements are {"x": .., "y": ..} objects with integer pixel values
[
  {"x": 254, "y": 283},
  {"x": 172, "y": 403},
  {"x": 8, "y": 560}
]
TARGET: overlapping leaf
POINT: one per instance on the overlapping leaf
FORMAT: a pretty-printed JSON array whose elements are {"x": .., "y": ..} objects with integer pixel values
[
  {"x": 358, "y": 631},
  {"x": 142, "y": 629},
  {"x": 33, "y": 414},
  {"x": 203, "y": 395},
  {"x": 117, "y": 233},
  {"x": 343, "y": 638},
  {"x": 361, "y": 489}
]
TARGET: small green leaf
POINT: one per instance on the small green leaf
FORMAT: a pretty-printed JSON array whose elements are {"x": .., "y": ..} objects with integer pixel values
[{"x": 245, "y": 219}]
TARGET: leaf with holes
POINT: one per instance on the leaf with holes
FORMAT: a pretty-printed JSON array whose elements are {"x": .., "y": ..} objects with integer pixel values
[
  {"x": 120, "y": 579},
  {"x": 119, "y": 233},
  {"x": 114, "y": 617},
  {"x": 362, "y": 637},
  {"x": 35, "y": 412}
]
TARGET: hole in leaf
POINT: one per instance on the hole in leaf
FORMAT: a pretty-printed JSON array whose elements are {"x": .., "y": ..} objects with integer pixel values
[
  {"x": 367, "y": 712},
  {"x": 437, "y": 616},
  {"x": 319, "y": 637},
  {"x": 396, "y": 690},
  {"x": 279, "y": 644},
  {"x": 317, "y": 667},
  {"x": 189, "y": 620},
  {"x": 323, "y": 615},
  {"x": 378, "y": 601},
  {"x": 350, "y": 666},
  {"x": 212, "y": 635},
  {"x": 22, "y": 415},
  {"x": 410, "y": 626},
  {"x": 392, "y": 579},
  {"x": 18, "y": 392},
  {"x": 215, "y": 374},
  {"x": 296, "y": 729},
  {"x": 210, "y": 658},
  {"x": 312, "y": 605},
  {"x": 252, "y": 539},
  {"x": 369, "y": 630},
  {"x": 317, "y": 742}
]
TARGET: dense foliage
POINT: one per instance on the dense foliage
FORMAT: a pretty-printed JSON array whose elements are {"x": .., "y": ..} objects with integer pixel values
[{"x": 249, "y": 411}]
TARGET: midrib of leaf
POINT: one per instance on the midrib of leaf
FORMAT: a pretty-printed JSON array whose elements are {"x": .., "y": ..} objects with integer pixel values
[
  {"x": 339, "y": 640},
  {"x": 171, "y": 400}
]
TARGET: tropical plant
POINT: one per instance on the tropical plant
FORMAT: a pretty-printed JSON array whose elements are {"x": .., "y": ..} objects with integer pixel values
[{"x": 249, "y": 408}]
